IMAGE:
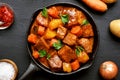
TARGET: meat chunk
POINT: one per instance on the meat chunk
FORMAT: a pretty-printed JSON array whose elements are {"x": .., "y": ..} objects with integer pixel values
[
  {"x": 70, "y": 39},
  {"x": 67, "y": 54},
  {"x": 87, "y": 44},
  {"x": 42, "y": 20},
  {"x": 55, "y": 62},
  {"x": 73, "y": 18},
  {"x": 44, "y": 61},
  {"x": 52, "y": 52},
  {"x": 87, "y": 30},
  {"x": 61, "y": 32},
  {"x": 42, "y": 44}
]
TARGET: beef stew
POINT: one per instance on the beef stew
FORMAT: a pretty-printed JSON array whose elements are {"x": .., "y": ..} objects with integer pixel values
[{"x": 61, "y": 37}]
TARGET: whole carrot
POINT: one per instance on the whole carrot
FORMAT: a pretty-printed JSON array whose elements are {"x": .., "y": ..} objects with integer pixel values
[
  {"x": 109, "y": 1},
  {"x": 97, "y": 5}
]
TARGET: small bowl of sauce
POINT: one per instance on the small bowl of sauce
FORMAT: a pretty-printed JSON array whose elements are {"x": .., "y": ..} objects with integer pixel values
[
  {"x": 8, "y": 70},
  {"x": 6, "y": 16}
]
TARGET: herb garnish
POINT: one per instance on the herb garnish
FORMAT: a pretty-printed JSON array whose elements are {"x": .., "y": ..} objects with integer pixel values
[
  {"x": 48, "y": 56},
  {"x": 42, "y": 53},
  {"x": 44, "y": 12},
  {"x": 85, "y": 21},
  {"x": 78, "y": 50},
  {"x": 65, "y": 18},
  {"x": 57, "y": 45}
]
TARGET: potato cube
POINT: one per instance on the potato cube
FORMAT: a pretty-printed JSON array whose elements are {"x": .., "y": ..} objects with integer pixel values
[
  {"x": 83, "y": 57},
  {"x": 49, "y": 34},
  {"x": 55, "y": 23},
  {"x": 67, "y": 67}
]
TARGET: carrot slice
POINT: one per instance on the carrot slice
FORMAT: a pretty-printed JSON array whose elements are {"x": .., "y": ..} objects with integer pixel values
[
  {"x": 53, "y": 12},
  {"x": 77, "y": 30},
  {"x": 35, "y": 54},
  {"x": 75, "y": 65},
  {"x": 41, "y": 30},
  {"x": 32, "y": 38}
]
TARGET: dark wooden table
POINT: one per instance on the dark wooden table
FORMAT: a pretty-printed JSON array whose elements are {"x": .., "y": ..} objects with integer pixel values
[{"x": 13, "y": 43}]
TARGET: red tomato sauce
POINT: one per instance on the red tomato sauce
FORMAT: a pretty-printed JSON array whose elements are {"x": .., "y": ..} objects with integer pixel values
[{"x": 6, "y": 16}]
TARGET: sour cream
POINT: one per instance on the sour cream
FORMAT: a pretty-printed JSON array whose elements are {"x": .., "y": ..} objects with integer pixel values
[{"x": 7, "y": 71}]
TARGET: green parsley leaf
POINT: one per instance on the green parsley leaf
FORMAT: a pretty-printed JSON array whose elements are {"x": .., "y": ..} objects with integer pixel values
[
  {"x": 78, "y": 50},
  {"x": 42, "y": 53},
  {"x": 85, "y": 21},
  {"x": 65, "y": 18},
  {"x": 57, "y": 45},
  {"x": 48, "y": 56},
  {"x": 44, "y": 12}
]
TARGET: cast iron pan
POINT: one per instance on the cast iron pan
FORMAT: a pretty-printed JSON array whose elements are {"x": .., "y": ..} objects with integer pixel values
[{"x": 36, "y": 66}]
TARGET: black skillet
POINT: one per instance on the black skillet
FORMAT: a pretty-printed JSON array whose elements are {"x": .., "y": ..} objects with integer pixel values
[{"x": 36, "y": 66}]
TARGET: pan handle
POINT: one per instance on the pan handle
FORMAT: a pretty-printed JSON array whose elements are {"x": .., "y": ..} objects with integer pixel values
[{"x": 31, "y": 69}]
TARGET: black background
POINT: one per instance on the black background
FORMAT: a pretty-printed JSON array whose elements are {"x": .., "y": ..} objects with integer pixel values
[{"x": 13, "y": 40}]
